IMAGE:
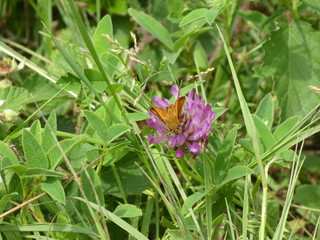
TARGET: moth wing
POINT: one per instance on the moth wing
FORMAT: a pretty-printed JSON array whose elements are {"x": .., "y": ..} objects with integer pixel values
[
  {"x": 179, "y": 104},
  {"x": 158, "y": 112}
]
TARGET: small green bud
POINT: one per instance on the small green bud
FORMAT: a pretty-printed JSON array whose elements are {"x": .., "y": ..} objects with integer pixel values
[{"x": 9, "y": 115}]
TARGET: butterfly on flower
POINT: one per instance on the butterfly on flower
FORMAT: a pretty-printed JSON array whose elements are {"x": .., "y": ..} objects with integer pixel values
[
  {"x": 170, "y": 115},
  {"x": 185, "y": 125}
]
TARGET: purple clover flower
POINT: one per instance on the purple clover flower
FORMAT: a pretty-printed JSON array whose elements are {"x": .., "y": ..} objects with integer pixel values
[{"x": 195, "y": 120}]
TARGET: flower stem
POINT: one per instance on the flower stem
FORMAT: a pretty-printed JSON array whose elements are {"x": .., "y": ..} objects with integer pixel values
[{"x": 190, "y": 173}]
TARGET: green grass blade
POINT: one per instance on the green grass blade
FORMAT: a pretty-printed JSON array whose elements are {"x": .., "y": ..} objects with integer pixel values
[
  {"x": 49, "y": 227},
  {"x": 117, "y": 220},
  {"x": 252, "y": 132}
]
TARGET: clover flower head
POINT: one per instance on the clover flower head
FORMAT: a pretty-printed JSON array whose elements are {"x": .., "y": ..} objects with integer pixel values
[{"x": 191, "y": 134}]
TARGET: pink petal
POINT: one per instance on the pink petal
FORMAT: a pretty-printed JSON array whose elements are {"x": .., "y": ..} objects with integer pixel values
[
  {"x": 179, "y": 153},
  {"x": 175, "y": 91},
  {"x": 161, "y": 102}
]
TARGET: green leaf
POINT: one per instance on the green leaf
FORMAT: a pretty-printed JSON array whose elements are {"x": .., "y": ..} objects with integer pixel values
[
  {"x": 236, "y": 173},
  {"x": 264, "y": 133},
  {"x": 132, "y": 178},
  {"x": 12, "y": 98},
  {"x": 190, "y": 34},
  {"x": 114, "y": 154},
  {"x": 61, "y": 63},
  {"x": 211, "y": 15},
  {"x": 115, "y": 109},
  {"x": 33, "y": 151},
  {"x": 292, "y": 58},
  {"x": 137, "y": 116},
  {"x": 224, "y": 156},
  {"x": 117, "y": 87},
  {"x": 314, "y": 4},
  {"x": 54, "y": 154},
  {"x": 175, "y": 8},
  {"x": 219, "y": 111},
  {"x": 116, "y": 220},
  {"x": 116, "y": 131},
  {"x": 308, "y": 195},
  {"x": 49, "y": 132},
  {"x": 39, "y": 87},
  {"x": 5, "y": 151},
  {"x": 192, "y": 199},
  {"x": 35, "y": 129},
  {"x": 5, "y": 200},
  {"x": 285, "y": 127},
  {"x": 96, "y": 78},
  {"x": 200, "y": 56},
  {"x": 33, "y": 172},
  {"x": 47, "y": 227},
  {"x": 92, "y": 186},
  {"x": 53, "y": 187},
  {"x": 70, "y": 82},
  {"x": 255, "y": 19},
  {"x": 193, "y": 16},
  {"x": 113, "y": 63},
  {"x": 265, "y": 110},
  {"x": 97, "y": 124},
  {"x": 22, "y": 170},
  {"x": 127, "y": 211},
  {"x": 100, "y": 43},
  {"x": 152, "y": 26}
]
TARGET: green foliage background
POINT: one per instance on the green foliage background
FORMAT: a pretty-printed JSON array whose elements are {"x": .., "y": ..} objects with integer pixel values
[{"x": 75, "y": 159}]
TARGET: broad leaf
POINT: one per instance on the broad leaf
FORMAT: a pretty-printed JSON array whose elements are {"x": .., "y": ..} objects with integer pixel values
[
  {"x": 235, "y": 173},
  {"x": 24, "y": 171},
  {"x": 5, "y": 151},
  {"x": 53, "y": 187},
  {"x": 265, "y": 110},
  {"x": 4, "y": 201},
  {"x": 34, "y": 153},
  {"x": 285, "y": 127},
  {"x": 96, "y": 78},
  {"x": 292, "y": 58},
  {"x": 98, "y": 124},
  {"x": 39, "y": 87},
  {"x": 224, "y": 155},
  {"x": 192, "y": 199},
  {"x": 100, "y": 43},
  {"x": 35, "y": 129},
  {"x": 127, "y": 211},
  {"x": 264, "y": 132},
  {"x": 308, "y": 195},
  {"x": 152, "y": 26},
  {"x": 92, "y": 186},
  {"x": 193, "y": 16},
  {"x": 49, "y": 133},
  {"x": 116, "y": 131},
  {"x": 12, "y": 98},
  {"x": 54, "y": 154}
]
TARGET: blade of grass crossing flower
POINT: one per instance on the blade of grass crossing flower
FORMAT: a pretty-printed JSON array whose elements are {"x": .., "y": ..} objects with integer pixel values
[{"x": 250, "y": 127}]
